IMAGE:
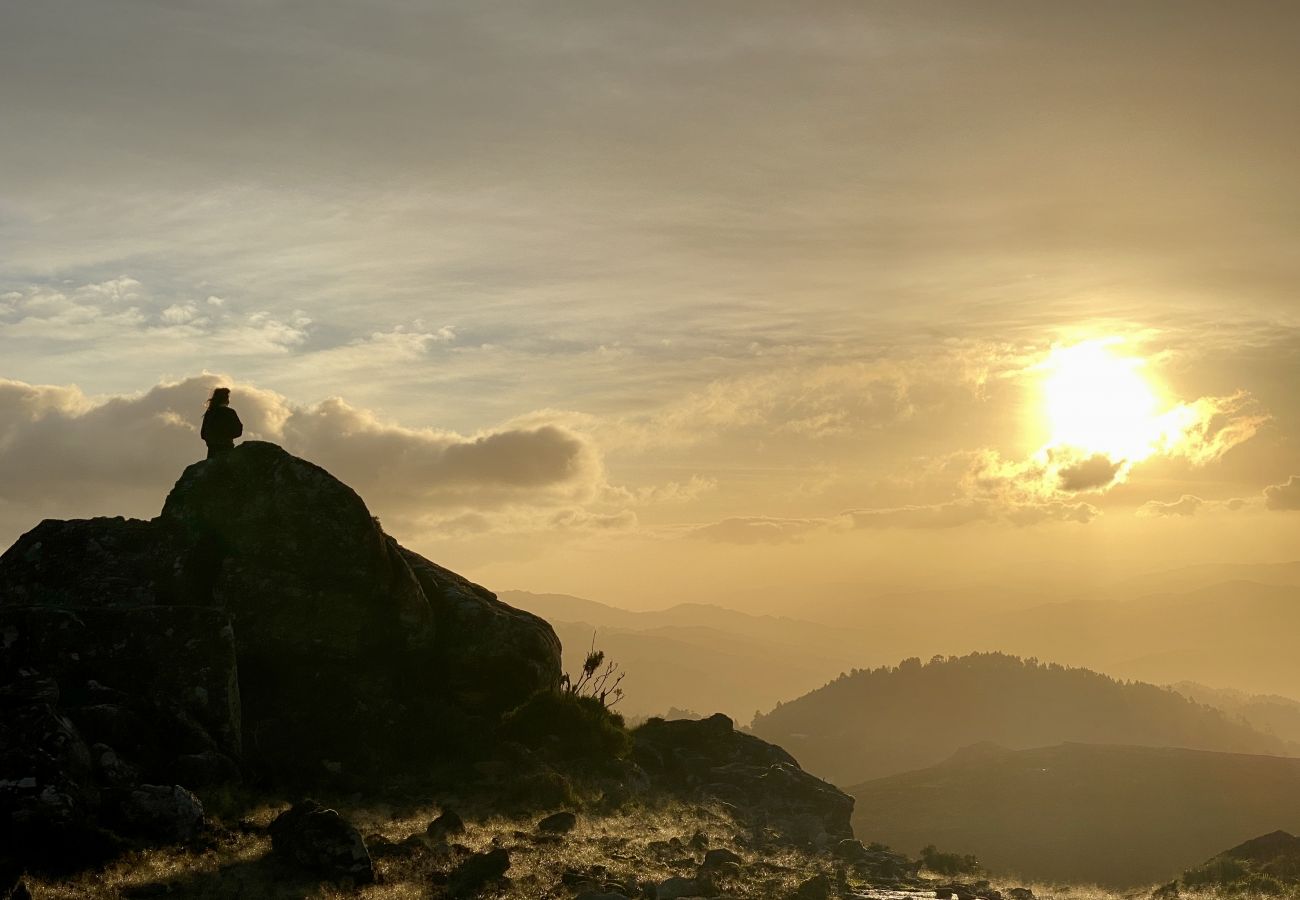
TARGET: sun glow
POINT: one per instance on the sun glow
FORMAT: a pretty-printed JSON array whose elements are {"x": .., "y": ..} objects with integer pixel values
[{"x": 1100, "y": 403}]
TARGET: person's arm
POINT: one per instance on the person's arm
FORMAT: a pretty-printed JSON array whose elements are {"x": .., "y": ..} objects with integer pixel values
[
  {"x": 236, "y": 426},
  {"x": 203, "y": 432}
]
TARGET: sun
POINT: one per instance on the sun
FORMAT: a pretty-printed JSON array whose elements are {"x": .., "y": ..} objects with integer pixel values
[{"x": 1099, "y": 402}]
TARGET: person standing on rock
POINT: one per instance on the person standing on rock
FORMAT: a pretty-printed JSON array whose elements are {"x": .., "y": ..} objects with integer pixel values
[{"x": 221, "y": 424}]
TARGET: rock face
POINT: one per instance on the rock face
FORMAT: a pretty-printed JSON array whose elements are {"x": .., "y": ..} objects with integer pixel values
[
  {"x": 708, "y": 758},
  {"x": 263, "y": 620}
]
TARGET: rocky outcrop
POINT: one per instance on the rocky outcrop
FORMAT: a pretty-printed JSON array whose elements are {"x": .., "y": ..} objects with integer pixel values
[
  {"x": 708, "y": 758},
  {"x": 263, "y": 621}
]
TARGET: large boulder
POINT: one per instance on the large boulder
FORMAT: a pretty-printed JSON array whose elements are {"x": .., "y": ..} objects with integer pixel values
[
  {"x": 295, "y": 557},
  {"x": 708, "y": 758},
  {"x": 488, "y": 653},
  {"x": 263, "y": 616}
]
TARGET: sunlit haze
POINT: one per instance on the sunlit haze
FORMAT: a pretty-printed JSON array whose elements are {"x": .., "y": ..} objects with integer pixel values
[
  {"x": 764, "y": 306},
  {"x": 818, "y": 450}
]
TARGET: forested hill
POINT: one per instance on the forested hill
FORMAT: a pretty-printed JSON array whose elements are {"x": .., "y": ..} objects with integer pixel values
[{"x": 871, "y": 723}]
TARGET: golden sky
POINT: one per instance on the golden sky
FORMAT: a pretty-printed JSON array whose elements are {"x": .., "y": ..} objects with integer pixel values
[{"x": 754, "y": 303}]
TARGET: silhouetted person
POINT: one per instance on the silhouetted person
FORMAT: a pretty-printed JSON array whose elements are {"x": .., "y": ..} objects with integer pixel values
[{"x": 221, "y": 424}]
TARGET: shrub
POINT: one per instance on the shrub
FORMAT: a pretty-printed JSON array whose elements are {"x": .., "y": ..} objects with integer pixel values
[
  {"x": 948, "y": 863},
  {"x": 598, "y": 679},
  {"x": 572, "y": 726}
]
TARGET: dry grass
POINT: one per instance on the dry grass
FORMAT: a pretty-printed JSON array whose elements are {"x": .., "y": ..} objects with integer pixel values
[{"x": 238, "y": 865}]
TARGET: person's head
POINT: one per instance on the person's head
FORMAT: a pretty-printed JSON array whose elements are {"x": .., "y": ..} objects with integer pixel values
[{"x": 220, "y": 397}]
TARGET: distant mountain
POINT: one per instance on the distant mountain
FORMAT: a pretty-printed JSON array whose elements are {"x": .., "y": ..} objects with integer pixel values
[
  {"x": 1235, "y": 633},
  {"x": 1193, "y": 577},
  {"x": 1268, "y": 713},
  {"x": 872, "y": 723},
  {"x": 1111, "y": 815},
  {"x": 695, "y": 656}
]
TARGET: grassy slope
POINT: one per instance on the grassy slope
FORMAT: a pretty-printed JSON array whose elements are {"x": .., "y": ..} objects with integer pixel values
[
  {"x": 1115, "y": 815},
  {"x": 239, "y": 865}
]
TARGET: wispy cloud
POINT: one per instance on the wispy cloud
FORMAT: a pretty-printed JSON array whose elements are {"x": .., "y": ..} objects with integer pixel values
[{"x": 1283, "y": 497}]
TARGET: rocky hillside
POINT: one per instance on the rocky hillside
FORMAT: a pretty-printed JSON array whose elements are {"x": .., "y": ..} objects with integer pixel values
[
  {"x": 1267, "y": 866},
  {"x": 1118, "y": 816},
  {"x": 161, "y": 681},
  {"x": 872, "y": 723}
]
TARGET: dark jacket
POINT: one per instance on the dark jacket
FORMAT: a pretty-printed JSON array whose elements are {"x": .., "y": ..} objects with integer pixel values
[{"x": 221, "y": 426}]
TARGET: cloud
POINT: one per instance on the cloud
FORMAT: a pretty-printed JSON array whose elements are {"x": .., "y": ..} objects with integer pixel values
[
  {"x": 760, "y": 530},
  {"x": 798, "y": 398},
  {"x": 122, "y": 313},
  {"x": 956, "y": 513},
  {"x": 64, "y": 453},
  {"x": 670, "y": 493},
  {"x": 936, "y": 515},
  {"x": 1188, "y": 505},
  {"x": 1283, "y": 497},
  {"x": 1203, "y": 430},
  {"x": 1095, "y": 473}
]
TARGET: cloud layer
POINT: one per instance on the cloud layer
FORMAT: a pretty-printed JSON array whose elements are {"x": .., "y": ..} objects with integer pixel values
[{"x": 62, "y": 449}]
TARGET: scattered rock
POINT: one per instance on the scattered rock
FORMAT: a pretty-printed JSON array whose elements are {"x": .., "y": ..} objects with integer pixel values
[
  {"x": 677, "y": 887},
  {"x": 475, "y": 873},
  {"x": 323, "y": 842},
  {"x": 110, "y": 769},
  {"x": 168, "y": 813},
  {"x": 558, "y": 823},
  {"x": 877, "y": 862},
  {"x": 816, "y": 888},
  {"x": 49, "y": 803},
  {"x": 719, "y": 856},
  {"x": 447, "y": 824}
]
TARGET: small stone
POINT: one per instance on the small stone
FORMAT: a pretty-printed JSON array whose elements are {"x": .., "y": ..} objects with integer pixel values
[
  {"x": 477, "y": 872},
  {"x": 447, "y": 824},
  {"x": 677, "y": 887},
  {"x": 816, "y": 888},
  {"x": 720, "y": 855},
  {"x": 558, "y": 823}
]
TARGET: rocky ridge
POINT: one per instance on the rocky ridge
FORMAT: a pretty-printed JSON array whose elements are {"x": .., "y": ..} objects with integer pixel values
[
  {"x": 263, "y": 625},
  {"x": 263, "y": 630}
]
